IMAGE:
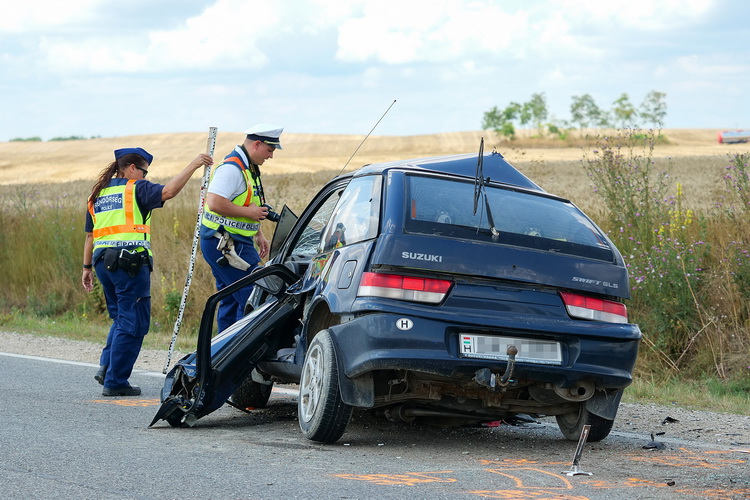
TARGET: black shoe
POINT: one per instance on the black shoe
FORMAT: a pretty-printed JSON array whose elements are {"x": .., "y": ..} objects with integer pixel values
[
  {"x": 130, "y": 390},
  {"x": 100, "y": 374}
]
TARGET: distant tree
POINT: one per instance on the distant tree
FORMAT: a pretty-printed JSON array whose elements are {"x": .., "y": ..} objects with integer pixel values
[
  {"x": 20, "y": 139},
  {"x": 535, "y": 110},
  {"x": 653, "y": 109},
  {"x": 69, "y": 138},
  {"x": 585, "y": 112},
  {"x": 502, "y": 121},
  {"x": 604, "y": 119},
  {"x": 492, "y": 119},
  {"x": 623, "y": 112}
]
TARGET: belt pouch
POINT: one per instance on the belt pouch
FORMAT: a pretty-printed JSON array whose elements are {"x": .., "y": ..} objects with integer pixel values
[
  {"x": 130, "y": 262},
  {"x": 110, "y": 259}
]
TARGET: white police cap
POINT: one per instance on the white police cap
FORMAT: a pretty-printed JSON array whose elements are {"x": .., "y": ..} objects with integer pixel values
[{"x": 266, "y": 133}]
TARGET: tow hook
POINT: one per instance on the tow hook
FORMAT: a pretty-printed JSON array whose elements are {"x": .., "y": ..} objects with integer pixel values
[{"x": 486, "y": 378}]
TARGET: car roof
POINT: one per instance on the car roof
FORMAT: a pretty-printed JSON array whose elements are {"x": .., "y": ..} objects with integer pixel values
[{"x": 494, "y": 166}]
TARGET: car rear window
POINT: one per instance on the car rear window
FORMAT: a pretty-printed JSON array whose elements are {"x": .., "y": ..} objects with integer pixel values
[{"x": 445, "y": 207}]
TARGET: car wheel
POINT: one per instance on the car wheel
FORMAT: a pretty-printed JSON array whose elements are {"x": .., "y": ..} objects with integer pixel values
[
  {"x": 252, "y": 394},
  {"x": 322, "y": 415},
  {"x": 571, "y": 425}
]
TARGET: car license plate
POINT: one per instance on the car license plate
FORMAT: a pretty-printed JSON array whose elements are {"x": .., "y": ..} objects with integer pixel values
[{"x": 546, "y": 352}]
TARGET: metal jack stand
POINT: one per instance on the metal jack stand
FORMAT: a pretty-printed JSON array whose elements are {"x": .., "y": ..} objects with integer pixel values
[{"x": 577, "y": 458}]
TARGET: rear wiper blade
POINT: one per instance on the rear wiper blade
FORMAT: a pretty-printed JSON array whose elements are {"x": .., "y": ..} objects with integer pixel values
[{"x": 480, "y": 191}]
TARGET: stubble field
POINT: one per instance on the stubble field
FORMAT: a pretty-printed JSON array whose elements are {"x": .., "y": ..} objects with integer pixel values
[{"x": 697, "y": 157}]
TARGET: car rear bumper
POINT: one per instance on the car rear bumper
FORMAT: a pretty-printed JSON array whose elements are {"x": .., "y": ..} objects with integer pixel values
[{"x": 601, "y": 353}]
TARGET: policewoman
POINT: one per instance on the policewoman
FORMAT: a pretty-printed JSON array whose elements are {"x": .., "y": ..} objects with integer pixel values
[
  {"x": 230, "y": 228},
  {"x": 118, "y": 248}
]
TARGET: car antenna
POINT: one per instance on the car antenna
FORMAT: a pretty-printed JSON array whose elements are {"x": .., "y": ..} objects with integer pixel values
[
  {"x": 368, "y": 135},
  {"x": 481, "y": 192}
]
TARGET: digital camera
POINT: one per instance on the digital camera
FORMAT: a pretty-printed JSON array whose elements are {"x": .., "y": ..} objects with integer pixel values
[{"x": 272, "y": 216}]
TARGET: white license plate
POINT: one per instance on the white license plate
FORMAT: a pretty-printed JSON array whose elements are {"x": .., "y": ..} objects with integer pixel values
[{"x": 545, "y": 352}]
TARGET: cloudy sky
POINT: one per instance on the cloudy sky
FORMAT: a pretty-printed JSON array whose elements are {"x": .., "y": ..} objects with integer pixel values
[{"x": 104, "y": 68}]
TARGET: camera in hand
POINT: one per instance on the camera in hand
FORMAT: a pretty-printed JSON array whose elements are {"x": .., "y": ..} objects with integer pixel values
[{"x": 272, "y": 216}]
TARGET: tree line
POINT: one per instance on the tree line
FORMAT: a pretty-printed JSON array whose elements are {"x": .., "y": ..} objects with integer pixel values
[
  {"x": 584, "y": 113},
  {"x": 68, "y": 138}
]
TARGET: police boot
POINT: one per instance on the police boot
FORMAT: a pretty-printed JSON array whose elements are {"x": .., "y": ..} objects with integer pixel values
[{"x": 100, "y": 374}]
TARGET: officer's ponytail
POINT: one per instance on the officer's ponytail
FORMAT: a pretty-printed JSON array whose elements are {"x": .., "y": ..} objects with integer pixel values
[{"x": 104, "y": 177}]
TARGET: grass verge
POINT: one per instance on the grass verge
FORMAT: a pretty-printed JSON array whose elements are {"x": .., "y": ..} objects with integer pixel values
[{"x": 76, "y": 328}]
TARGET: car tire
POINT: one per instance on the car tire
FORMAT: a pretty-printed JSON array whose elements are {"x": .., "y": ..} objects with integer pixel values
[
  {"x": 322, "y": 414},
  {"x": 571, "y": 425},
  {"x": 252, "y": 394}
]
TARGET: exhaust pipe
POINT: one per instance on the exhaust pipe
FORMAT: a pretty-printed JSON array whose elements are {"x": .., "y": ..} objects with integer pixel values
[
  {"x": 553, "y": 394},
  {"x": 581, "y": 391}
]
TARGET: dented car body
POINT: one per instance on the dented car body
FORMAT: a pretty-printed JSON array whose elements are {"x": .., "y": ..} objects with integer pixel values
[{"x": 452, "y": 289}]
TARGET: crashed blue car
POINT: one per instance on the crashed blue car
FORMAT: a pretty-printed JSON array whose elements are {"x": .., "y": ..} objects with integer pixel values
[{"x": 450, "y": 290}]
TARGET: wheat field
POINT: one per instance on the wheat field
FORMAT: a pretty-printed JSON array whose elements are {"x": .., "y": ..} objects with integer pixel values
[{"x": 695, "y": 156}]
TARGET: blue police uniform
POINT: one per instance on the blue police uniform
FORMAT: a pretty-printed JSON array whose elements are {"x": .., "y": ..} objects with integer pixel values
[
  {"x": 128, "y": 296},
  {"x": 232, "y": 307}
]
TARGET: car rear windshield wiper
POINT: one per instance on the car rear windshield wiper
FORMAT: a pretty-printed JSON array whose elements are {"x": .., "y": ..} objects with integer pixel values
[{"x": 480, "y": 184}]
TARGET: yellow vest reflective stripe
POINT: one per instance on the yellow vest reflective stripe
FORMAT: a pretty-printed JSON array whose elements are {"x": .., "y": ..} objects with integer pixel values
[
  {"x": 244, "y": 226},
  {"x": 117, "y": 223}
]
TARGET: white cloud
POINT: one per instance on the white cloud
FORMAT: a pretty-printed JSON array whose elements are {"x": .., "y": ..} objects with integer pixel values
[
  {"x": 39, "y": 15},
  {"x": 398, "y": 32},
  {"x": 646, "y": 15},
  {"x": 226, "y": 32}
]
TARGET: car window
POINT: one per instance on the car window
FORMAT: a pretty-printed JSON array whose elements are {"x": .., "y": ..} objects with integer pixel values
[
  {"x": 356, "y": 216},
  {"x": 445, "y": 207},
  {"x": 309, "y": 240}
]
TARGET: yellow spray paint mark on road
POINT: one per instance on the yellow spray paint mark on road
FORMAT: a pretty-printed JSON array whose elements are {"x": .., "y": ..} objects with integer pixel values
[
  {"x": 532, "y": 480},
  {"x": 128, "y": 402},
  {"x": 705, "y": 460},
  {"x": 408, "y": 479},
  {"x": 540, "y": 494}
]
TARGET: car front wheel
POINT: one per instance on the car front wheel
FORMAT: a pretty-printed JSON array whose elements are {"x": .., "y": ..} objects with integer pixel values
[
  {"x": 322, "y": 415},
  {"x": 571, "y": 424}
]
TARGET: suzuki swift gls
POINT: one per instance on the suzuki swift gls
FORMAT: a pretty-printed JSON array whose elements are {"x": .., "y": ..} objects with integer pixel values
[{"x": 452, "y": 290}]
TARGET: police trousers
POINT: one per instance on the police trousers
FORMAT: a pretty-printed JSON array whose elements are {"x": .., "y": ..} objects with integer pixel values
[
  {"x": 129, "y": 306},
  {"x": 231, "y": 308}
]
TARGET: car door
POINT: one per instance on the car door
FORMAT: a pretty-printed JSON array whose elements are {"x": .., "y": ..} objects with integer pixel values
[{"x": 202, "y": 381}]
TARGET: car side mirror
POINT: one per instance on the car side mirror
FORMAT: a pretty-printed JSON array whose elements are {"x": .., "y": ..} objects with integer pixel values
[{"x": 271, "y": 284}]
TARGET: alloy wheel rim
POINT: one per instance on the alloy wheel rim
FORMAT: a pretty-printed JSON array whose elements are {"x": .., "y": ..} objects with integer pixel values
[{"x": 312, "y": 383}]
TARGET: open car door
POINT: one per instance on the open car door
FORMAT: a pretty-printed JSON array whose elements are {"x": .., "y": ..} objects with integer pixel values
[{"x": 202, "y": 382}]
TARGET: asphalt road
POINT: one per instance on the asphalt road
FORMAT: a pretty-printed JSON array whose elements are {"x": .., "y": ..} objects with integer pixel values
[{"x": 59, "y": 438}]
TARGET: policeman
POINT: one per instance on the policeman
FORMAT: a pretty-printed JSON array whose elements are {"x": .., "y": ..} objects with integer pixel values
[
  {"x": 234, "y": 209},
  {"x": 118, "y": 247}
]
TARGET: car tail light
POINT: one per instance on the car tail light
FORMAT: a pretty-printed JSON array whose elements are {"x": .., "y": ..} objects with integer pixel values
[
  {"x": 393, "y": 286},
  {"x": 584, "y": 307}
]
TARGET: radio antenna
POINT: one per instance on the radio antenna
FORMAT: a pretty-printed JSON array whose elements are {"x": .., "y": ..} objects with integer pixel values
[{"x": 368, "y": 135}]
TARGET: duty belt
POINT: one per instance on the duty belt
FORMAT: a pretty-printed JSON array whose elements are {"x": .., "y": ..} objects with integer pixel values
[
  {"x": 123, "y": 243},
  {"x": 234, "y": 224}
]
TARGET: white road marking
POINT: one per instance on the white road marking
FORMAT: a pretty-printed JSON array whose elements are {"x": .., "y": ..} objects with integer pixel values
[{"x": 147, "y": 373}]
